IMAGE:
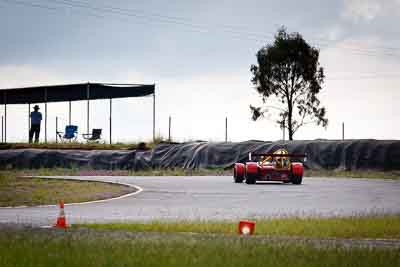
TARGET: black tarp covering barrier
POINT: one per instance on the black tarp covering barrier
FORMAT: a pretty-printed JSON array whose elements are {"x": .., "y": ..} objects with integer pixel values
[
  {"x": 321, "y": 154},
  {"x": 73, "y": 92}
]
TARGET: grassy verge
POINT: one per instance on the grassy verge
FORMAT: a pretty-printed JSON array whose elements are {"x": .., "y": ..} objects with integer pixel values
[
  {"x": 74, "y": 145},
  {"x": 92, "y": 172},
  {"x": 341, "y": 227},
  {"x": 102, "y": 145},
  {"x": 76, "y": 248},
  {"x": 198, "y": 172},
  {"x": 183, "y": 172},
  {"x": 353, "y": 174},
  {"x": 16, "y": 191},
  {"x": 308, "y": 173}
]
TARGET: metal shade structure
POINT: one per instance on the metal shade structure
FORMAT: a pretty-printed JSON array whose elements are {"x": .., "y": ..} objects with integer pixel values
[{"x": 73, "y": 92}]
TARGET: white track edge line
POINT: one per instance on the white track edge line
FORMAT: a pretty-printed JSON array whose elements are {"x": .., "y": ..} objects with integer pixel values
[{"x": 138, "y": 188}]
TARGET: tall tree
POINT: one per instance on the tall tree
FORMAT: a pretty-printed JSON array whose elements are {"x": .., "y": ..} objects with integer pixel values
[{"x": 289, "y": 71}]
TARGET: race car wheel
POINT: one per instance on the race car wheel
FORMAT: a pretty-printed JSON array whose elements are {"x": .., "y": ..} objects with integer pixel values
[
  {"x": 296, "y": 179},
  {"x": 238, "y": 173},
  {"x": 250, "y": 178},
  {"x": 237, "y": 179},
  {"x": 251, "y": 172}
]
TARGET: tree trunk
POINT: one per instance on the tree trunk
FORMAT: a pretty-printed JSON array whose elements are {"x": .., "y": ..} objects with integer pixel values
[
  {"x": 290, "y": 134},
  {"x": 290, "y": 125}
]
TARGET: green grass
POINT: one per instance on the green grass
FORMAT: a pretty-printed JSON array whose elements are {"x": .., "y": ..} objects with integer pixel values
[
  {"x": 76, "y": 145},
  {"x": 16, "y": 191},
  {"x": 371, "y": 174},
  {"x": 74, "y": 170},
  {"x": 182, "y": 172},
  {"x": 387, "y": 226},
  {"x": 101, "y": 145},
  {"x": 68, "y": 248},
  {"x": 219, "y": 172}
]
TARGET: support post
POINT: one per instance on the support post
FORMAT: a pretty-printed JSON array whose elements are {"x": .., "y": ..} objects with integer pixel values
[
  {"x": 2, "y": 129},
  {"x": 45, "y": 115},
  {"x": 5, "y": 123},
  {"x": 154, "y": 114},
  {"x": 5, "y": 116},
  {"x": 342, "y": 130},
  {"x": 29, "y": 119},
  {"x": 169, "y": 129},
  {"x": 226, "y": 129},
  {"x": 56, "y": 130},
  {"x": 110, "y": 121},
  {"x": 69, "y": 115},
  {"x": 88, "y": 97}
]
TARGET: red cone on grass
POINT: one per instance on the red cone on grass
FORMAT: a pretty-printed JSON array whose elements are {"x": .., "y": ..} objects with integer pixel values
[
  {"x": 246, "y": 227},
  {"x": 61, "y": 220}
]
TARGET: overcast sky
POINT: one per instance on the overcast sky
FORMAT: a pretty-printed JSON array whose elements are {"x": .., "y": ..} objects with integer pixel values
[{"x": 199, "y": 54}]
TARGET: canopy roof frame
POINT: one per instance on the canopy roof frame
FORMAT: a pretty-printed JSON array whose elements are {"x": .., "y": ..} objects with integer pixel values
[{"x": 73, "y": 92}]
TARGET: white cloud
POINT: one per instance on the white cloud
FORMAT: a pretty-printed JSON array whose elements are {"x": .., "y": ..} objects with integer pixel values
[
  {"x": 25, "y": 75},
  {"x": 362, "y": 9},
  {"x": 368, "y": 10},
  {"x": 335, "y": 33}
]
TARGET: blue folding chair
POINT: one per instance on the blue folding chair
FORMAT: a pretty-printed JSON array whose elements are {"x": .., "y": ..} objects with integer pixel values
[{"x": 71, "y": 133}]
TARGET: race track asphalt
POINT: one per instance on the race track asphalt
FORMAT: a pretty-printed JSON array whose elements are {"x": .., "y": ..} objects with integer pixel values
[{"x": 218, "y": 198}]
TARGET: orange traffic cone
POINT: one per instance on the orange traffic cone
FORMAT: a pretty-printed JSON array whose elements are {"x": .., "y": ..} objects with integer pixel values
[
  {"x": 246, "y": 227},
  {"x": 61, "y": 220}
]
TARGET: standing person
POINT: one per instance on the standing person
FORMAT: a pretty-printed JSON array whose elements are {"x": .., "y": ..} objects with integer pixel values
[{"x": 36, "y": 119}]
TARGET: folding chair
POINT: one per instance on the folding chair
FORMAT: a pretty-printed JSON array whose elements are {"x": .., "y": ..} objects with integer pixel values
[
  {"x": 94, "y": 136},
  {"x": 71, "y": 133}
]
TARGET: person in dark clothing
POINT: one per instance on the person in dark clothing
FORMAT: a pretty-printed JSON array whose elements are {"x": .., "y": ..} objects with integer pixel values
[{"x": 36, "y": 119}]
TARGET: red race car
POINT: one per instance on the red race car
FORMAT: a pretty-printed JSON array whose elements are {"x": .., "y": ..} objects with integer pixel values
[{"x": 279, "y": 166}]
